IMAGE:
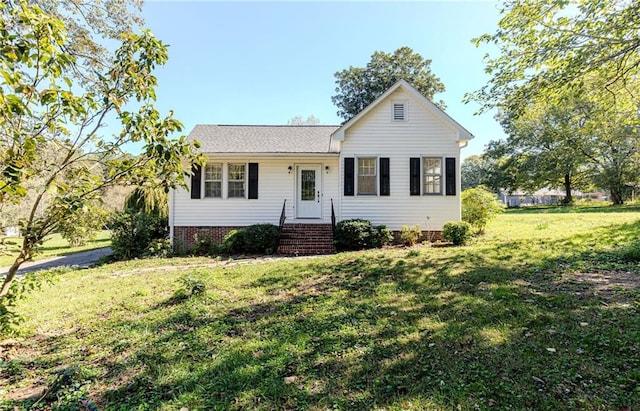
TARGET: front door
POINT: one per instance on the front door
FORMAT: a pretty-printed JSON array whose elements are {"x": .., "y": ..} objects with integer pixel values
[{"x": 308, "y": 203}]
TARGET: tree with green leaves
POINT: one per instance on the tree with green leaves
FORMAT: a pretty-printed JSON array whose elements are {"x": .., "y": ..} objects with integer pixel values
[
  {"x": 543, "y": 143},
  {"x": 501, "y": 168},
  {"x": 45, "y": 102},
  {"x": 611, "y": 136},
  {"x": 473, "y": 171},
  {"x": 357, "y": 87},
  {"x": 152, "y": 200},
  {"x": 589, "y": 50},
  {"x": 87, "y": 25},
  {"x": 548, "y": 47}
]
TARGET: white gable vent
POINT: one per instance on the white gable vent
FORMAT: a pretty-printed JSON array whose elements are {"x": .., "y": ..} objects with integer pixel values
[{"x": 399, "y": 111}]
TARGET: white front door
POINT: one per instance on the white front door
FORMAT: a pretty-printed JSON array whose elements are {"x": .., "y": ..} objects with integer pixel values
[{"x": 308, "y": 195}]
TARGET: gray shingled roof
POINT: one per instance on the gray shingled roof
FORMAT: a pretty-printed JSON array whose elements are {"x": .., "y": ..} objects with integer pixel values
[{"x": 263, "y": 139}]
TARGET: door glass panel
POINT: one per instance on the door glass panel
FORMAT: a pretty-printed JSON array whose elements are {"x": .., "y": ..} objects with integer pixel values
[{"x": 308, "y": 192}]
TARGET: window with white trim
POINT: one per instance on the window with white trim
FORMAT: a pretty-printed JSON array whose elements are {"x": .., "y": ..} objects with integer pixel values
[
  {"x": 367, "y": 176},
  {"x": 236, "y": 180},
  {"x": 431, "y": 175},
  {"x": 399, "y": 110},
  {"x": 213, "y": 180}
]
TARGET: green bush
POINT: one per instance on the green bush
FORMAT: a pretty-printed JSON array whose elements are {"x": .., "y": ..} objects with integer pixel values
[
  {"x": 457, "y": 232},
  {"x": 160, "y": 247},
  {"x": 358, "y": 234},
  {"x": 479, "y": 206},
  {"x": 410, "y": 234},
  {"x": 381, "y": 236},
  {"x": 254, "y": 239},
  {"x": 202, "y": 246},
  {"x": 132, "y": 233},
  {"x": 83, "y": 225}
]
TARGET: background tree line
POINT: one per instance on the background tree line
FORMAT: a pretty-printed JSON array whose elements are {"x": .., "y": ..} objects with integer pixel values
[{"x": 565, "y": 84}]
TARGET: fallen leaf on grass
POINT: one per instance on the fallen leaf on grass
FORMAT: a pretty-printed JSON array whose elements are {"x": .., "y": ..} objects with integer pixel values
[
  {"x": 290, "y": 380},
  {"x": 551, "y": 349}
]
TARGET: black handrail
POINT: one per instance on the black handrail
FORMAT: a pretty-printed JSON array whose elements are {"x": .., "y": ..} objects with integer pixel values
[
  {"x": 333, "y": 218},
  {"x": 283, "y": 217}
]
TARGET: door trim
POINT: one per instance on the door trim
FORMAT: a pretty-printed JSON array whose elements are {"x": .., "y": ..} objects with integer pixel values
[{"x": 298, "y": 189}]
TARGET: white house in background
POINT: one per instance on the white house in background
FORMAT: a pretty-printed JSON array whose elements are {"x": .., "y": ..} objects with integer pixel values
[{"x": 395, "y": 163}]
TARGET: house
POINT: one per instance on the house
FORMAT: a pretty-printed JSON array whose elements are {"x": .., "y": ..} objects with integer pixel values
[
  {"x": 395, "y": 163},
  {"x": 546, "y": 196}
]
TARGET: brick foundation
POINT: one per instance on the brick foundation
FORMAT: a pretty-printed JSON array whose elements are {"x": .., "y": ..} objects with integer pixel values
[{"x": 185, "y": 237}]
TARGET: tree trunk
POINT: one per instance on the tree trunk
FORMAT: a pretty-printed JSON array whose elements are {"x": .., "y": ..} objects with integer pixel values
[
  {"x": 11, "y": 275},
  {"x": 25, "y": 252},
  {"x": 568, "y": 198},
  {"x": 617, "y": 197}
]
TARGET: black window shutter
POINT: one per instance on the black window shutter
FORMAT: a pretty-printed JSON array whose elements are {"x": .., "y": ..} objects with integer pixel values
[
  {"x": 385, "y": 179},
  {"x": 196, "y": 178},
  {"x": 348, "y": 176},
  {"x": 450, "y": 176},
  {"x": 414, "y": 176},
  {"x": 253, "y": 181}
]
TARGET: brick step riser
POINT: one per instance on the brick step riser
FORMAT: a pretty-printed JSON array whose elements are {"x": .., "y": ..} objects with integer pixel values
[
  {"x": 297, "y": 241},
  {"x": 299, "y": 247},
  {"x": 305, "y": 251},
  {"x": 315, "y": 232},
  {"x": 305, "y": 226},
  {"x": 307, "y": 235},
  {"x": 306, "y": 239}
]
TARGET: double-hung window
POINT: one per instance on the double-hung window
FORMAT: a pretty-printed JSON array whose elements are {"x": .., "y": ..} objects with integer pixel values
[
  {"x": 237, "y": 180},
  {"x": 367, "y": 176},
  {"x": 432, "y": 175},
  {"x": 213, "y": 180}
]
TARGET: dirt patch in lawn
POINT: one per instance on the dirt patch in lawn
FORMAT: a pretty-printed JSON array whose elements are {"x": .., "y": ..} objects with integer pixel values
[{"x": 612, "y": 286}]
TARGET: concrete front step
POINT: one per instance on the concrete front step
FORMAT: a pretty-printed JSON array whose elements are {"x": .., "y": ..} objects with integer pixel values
[{"x": 306, "y": 239}]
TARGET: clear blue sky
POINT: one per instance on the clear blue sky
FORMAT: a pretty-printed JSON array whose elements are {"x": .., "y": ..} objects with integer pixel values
[{"x": 265, "y": 62}]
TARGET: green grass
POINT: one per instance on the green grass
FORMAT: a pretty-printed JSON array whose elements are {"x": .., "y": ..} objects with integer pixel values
[
  {"x": 540, "y": 313},
  {"x": 53, "y": 246}
]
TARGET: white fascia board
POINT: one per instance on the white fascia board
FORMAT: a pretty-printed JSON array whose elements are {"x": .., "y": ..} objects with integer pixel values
[{"x": 247, "y": 155}]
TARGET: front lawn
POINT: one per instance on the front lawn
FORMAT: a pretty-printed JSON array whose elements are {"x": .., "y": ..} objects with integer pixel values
[{"x": 540, "y": 313}]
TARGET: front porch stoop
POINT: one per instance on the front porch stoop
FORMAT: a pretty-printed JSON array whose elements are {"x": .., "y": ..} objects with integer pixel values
[{"x": 306, "y": 239}]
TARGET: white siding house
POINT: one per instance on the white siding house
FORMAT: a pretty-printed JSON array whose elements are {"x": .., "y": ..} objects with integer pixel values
[{"x": 396, "y": 163}]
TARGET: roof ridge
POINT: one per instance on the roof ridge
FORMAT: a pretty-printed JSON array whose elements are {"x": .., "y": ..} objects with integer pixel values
[{"x": 268, "y": 125}]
